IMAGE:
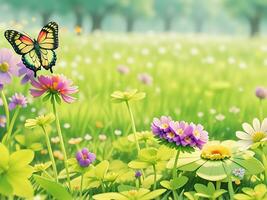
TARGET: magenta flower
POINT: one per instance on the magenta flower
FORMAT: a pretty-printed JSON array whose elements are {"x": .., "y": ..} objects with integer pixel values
[
  {"x": 17, "y": 100},
  {"x": 123, "y": 70},
  {"x": 8, "y": 66},
  {"x": 1, "y": 86},
  {"x": 145, "y": 78},
  {"x": 54, "y": 85},
  {"x": 85, "y": 158},
  {"x": 261, "y": 92},
  {"x": 2, "y": 121},
  {"x": 27, "y": 74},
  {"x": 179, "y": 134}
]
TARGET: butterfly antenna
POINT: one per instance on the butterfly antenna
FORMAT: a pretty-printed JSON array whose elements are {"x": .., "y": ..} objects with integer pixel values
[
  {"x": 35, "y": 74},
  {"x": 51, "y": 70}
]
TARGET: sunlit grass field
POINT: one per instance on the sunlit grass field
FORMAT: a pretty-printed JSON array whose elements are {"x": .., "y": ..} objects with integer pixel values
[{"x": 207, "y": 80}]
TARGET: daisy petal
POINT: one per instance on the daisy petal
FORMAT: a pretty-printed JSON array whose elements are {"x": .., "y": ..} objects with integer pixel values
[
  {"x": 256, "y": 124},
  {"x": 243, "y": 136},
  {"x": 264, "y": 125},
  {"x": 248, "y": 128},
  {"x": 244, "y": 144}
]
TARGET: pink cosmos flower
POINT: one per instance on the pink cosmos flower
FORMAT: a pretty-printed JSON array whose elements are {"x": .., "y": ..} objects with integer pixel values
[{"x": 54, "y": 85}]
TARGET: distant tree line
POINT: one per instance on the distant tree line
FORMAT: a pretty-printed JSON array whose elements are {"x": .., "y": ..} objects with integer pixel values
[{"x": 252, "y": 12}]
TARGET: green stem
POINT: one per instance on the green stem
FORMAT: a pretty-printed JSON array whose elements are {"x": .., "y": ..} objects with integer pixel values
[
  {"x": 260, "y": 110},
  {"x": 3, "y": 96},
  {"x": 175, "y": 195},
  {"x": 264, "y": 161},
  {"x": 10, "y": 129},
  {"x": 81, "y": 187},
  {"x": 48, "y": 144},
  {"x": 218, "y": 186},
  {"x": 155, "y": 177},
  {"x": 230, "y": 188},
  {"x": 61, "y": 141},
  {"x": 174, "y": 174},
  {"x": 133, "y": 125},
  {"x": 103, "y": 187},
  {"x": 47, "y": 174}
]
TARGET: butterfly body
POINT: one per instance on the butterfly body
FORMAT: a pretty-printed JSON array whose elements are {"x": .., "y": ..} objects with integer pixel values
[{"x": 36, "y": 53}]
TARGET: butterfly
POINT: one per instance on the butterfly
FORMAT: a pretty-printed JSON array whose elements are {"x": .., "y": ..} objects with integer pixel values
[{"x": 36, "y": 53}]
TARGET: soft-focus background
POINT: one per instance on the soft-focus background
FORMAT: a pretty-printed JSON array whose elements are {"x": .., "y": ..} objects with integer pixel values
[{"x": 197, "y": 60}]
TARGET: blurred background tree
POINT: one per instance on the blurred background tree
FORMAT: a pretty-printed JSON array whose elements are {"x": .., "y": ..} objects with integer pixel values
[
  {"x": 252, "y": 11},
  {"x": 133, "y": 10}
]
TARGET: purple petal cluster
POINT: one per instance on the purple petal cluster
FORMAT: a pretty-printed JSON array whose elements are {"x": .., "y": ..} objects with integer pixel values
[
  {"x": 17, "y": 100},
  {"x": 85, "y": 158},
  {"x": 25, "y": 73},
  {"x": 179, "y": 133}
]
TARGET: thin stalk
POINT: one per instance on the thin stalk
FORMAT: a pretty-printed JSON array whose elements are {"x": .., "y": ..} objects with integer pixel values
[
  {"x": 230, "y": 188},
  {"x": 261, "y": 110},
  {"x": 175, "y": 195},
  {"x": 155, "y": 177},
  {"x": 103, "y": 187},
  {"x": 3, "y": 96},
  {"x": 264, "y": 161},
  {"x": 48, "y": 144},
  {"x": 81, "y": 187},
  {"x": 61, "y": 141},
  {"x": 47, "y": 174},
  {"x": 174, "y": 174},
  {"x": 133, "y": 125},
  {"x": 12, "y": 123},
  {"x": 218, "y": 186}
]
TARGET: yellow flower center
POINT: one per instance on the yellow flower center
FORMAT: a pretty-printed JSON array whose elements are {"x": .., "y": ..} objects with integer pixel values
[
  {"x": 258, "y": 136},
  {"x": 196, "y": 133},
  {"x": 165, "y": 125},
  {"x": 4, "y": 67},
  {"x": 170, "y": 135},
  {"x": 215, "y": 152},
  {"x": 132, "y": 193},
  {"x": 180, "y": 131}
]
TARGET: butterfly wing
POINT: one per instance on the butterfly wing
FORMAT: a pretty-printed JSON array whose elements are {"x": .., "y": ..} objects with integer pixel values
[
  {"x": 48, "y": 36},
  {"x": 32, "y": 61},
  {"x": 48, "y": 58},
  {"x": 21, "y": 43}
]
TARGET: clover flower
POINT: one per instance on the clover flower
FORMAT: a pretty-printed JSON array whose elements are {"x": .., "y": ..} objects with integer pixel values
[
  {"x": 75, "y": 141},
  {"x": 54, "y": 85},
  {"x": 17, "y": 100},
  {"x": 85, "y": 158},
  {"x": 239, "y": 172},
  {"x": 123, "y": 70},
  {"x": 8, "y": 66},
  {"x": 138, "y": 174},
  {"x": 261, "y": 93},
  {"x": 179, "y": 134},
  {"x": 145, "y": 78}
]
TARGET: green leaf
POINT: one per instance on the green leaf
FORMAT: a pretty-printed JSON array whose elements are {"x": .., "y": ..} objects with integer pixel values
[
  {"x": 242, "y": 197},
  {"x": 153, "y": 194},
  {"x": 46, "y": 97},
  {"x": 212, "y": 171},
  {"x": 110, "y": 196},
  {"x": 122, "y": 188},
  {"x": 178, "y": 182},
  {"x": 135, "y": 164},
  {"x": 58, "y": 99},
  {"x": 218, "y": 193},
  {"x": 4, "y": 158},
  {"x": 251, "y": 165},
  {"x": 191, "y": 195},
  {"x": 166, "y": 184},
  {"x": 53, "y": 188},
  {"x": 5, "y": 187},
  {"x": 101, "y": 169},
  {"x": 211, "y": 188},
  {"x": 21, "y": 158},
  {"x": 200, "y": 188}
]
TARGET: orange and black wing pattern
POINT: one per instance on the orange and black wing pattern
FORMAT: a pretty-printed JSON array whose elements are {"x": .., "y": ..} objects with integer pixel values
[{"x": 48, "y": 36}]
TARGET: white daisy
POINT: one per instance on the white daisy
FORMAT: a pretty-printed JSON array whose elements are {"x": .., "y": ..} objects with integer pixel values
[{"x": 252, "y": 134}]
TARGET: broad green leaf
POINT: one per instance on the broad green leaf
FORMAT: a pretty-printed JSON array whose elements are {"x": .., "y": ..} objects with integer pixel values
[
  {"x": 248, "y": 191},
  {"x": 178, "y": 182},
  {"x": 153, "y": 195},
  {"x": 101, "y": 169},
  {"x": 149, "y": 180},
  {"x": 122, "y": 188},
  {"x": 203, "y": 195},
  {"x": 251, "y": 165},
  {"x": 53, "y": 188},
  {"x": 110, "y": 196},
  {"x": 191, "y": 195},
  {"x": 212, "y": 171},
  {"x": 211, "y": 188},
  {"x": 218, "y": 193},
  {"x": 242, "y": 197},
  {"x": 148, "y": 155},
  {"x": 21, "y": 158},
  {"x": 4, "y": 158},
  {"x": 166, "y": 184},
  {"x": 200, "y": 188},
  {"x": 20, "y": 173},
  {"x": 135, "y": 164},
  {"x": 5, "y": 187},
  {"x": 21, "y": 186}
]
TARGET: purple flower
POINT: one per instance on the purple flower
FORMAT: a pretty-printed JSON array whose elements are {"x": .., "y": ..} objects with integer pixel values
[
  {"x": 8, "y": 66},
  {"x": 2, "y": 121},
  {"x": 85, "y": 158},
  {"x": 17, "y": 100},
  {"x": 145, "y": 78},
  {"x": 179, "y": 133},
  {"x": 27, "y": 74},
  {"x": 1, "y": 86},
  {"x": 261, "y": 92},
  {"x": 239, "y": 172},
  {"x": 138, "y": 174},
  {"x": 123, "y": 70}
]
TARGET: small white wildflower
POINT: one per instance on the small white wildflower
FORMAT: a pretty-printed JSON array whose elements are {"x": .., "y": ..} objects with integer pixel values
[
  {"x": 220, "y": 117},
  {"x": 88, "y": 137},
  {"x": 66, "y": 125},
  {"x": 117, "y": 132}
]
